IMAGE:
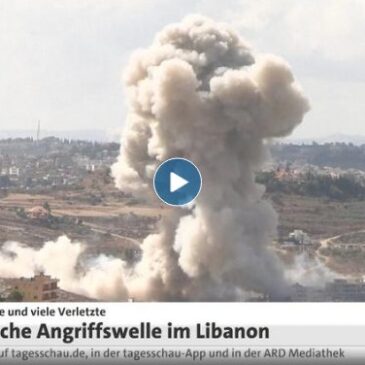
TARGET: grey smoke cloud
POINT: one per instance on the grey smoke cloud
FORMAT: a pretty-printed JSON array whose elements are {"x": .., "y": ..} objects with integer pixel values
[{"x": 199, "y": 92}]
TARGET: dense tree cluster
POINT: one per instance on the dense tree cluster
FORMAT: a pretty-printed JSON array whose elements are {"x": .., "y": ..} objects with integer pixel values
[
  {"x": 342, "y": 155},
  {"x": 344, "y": 187}
]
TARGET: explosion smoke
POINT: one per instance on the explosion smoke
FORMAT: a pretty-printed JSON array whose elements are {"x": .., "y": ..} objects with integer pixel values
[
  {"x": 199, "y": 93},
  {"x": 96, "y": 278}
]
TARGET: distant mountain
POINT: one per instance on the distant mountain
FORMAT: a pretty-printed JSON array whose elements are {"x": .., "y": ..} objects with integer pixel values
[
  {"x": 97, "y": 135},
  {"x": 335, "y": 138}
]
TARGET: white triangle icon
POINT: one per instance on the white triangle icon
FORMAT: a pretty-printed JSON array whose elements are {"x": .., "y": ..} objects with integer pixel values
[{"x": 176, "y": 182}]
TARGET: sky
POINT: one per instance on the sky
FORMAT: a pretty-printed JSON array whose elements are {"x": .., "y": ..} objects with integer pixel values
[{"x": 61, "y": 61}]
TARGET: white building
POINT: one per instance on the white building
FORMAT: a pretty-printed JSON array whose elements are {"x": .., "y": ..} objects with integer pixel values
[
  {"x": 14, "y": 171},
  {"x": 90, "y": 167},
  {"x": 300, "y": 237}
]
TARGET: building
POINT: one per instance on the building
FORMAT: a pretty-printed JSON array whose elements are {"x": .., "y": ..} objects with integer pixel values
[
  {"x": 339, "y": 290},
  {"x": 40, "y": 288},
  {"x": 299, "y": 237},
  {"x": 5, "y": 289},
  {"x": 38, "y": 213},
  {"x": 301, "y": 293},
  {"x": 14, "y": 171},
  {"x": 4, "y": 171}
]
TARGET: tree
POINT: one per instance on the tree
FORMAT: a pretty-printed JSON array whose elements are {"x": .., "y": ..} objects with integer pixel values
[
  {"x": 20, "y": 212},
  {"x": 47, "y": 207},
  {"x": 15, "y": 296},
  {"x": 5, "y": 181}
]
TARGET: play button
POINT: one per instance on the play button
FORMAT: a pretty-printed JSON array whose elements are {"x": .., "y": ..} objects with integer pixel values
[{"x": 177, "y": 181}]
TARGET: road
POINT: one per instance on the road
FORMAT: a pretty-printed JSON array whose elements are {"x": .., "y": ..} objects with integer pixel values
[
  {"x": 98, "y": 229},
  {"x": 324, "y": 243}
]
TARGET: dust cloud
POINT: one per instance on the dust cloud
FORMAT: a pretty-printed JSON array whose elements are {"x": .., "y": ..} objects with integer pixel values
[{"x": 201, "y": 93}]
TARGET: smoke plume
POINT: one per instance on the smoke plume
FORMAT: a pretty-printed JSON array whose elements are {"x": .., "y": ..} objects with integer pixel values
[
  {"x": 306, "y": 270},
  {"x": 200, "y": 93},
  {"x": 95, "y": 277}
]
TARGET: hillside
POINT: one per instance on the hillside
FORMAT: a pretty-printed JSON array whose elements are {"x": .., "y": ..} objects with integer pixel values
[{"x": 341, "y": 155}]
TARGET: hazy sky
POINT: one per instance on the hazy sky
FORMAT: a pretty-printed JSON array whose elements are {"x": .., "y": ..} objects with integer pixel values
[{"x": 61, "y": 60}]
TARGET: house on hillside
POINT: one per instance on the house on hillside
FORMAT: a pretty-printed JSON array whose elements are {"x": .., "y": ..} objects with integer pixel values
[{"x": 39, "y": 288}]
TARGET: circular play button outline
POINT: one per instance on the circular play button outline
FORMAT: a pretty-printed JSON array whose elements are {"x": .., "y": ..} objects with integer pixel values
[{"x": 177, "y": 198}]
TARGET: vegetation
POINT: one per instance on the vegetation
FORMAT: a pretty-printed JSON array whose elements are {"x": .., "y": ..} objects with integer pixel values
[
  {"x": 342, "y": 155},
  {"x": 338, "y": 188},
  {"x": 20, "y": 212},
  {"x": 47, "y": 207},
  {"x": 4, "y": 181},
  {"x": 15, "y": 296}
]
